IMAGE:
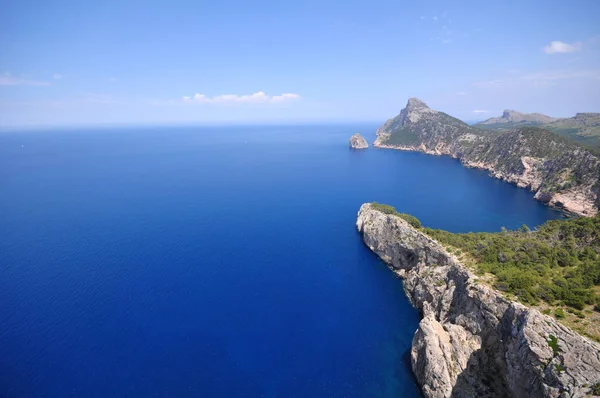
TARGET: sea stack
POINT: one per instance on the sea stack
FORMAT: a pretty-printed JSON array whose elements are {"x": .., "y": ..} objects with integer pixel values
[{"x": 357, "y": 141}]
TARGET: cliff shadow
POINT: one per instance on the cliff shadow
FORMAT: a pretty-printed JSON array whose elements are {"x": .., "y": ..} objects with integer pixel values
[{"x": 486, "y": 372}]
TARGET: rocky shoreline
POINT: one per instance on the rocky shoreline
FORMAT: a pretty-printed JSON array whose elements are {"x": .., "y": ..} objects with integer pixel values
[{"x": 472, "y": 341}]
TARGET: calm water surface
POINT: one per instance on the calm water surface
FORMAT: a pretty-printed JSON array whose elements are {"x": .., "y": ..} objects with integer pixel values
[{"x": 216, "y": 262}]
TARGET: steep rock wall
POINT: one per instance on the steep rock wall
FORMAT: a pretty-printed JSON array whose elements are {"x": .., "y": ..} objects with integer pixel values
[{"x": 472, "y": 341}]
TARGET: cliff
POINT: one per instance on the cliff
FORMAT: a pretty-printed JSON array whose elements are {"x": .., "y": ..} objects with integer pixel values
[
  {"x": 472, "y": 341},
  {"x": 562, "y": 173},
  {"x": 357, "y": 141}
]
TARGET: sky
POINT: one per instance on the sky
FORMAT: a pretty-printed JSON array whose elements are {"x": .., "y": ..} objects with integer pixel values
[{"x": 74, "y": 63}]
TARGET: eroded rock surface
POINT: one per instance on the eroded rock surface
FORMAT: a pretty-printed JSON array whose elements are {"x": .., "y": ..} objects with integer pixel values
[{"x": 357, "y": 141}]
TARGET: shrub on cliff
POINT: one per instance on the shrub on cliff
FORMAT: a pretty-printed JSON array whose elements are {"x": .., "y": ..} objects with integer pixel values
[
  {"x": 387, "y": 209},
  {"x": 559, "y": 262}
]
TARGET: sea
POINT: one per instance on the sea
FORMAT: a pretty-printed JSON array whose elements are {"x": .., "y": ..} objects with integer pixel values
[{"x": 216, "y": 261}]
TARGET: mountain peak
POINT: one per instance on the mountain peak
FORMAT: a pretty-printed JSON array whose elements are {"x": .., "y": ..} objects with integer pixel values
[
  {"x": 509, "y": 112},
  {"x": 415, "y": 103}
]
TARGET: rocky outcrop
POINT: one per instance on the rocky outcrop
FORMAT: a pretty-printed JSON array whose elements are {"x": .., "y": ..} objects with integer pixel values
[
  {"x": 562, "y": 173},
  {"x": 472, "y": 341},
  {"x": 357, "y": 141}
]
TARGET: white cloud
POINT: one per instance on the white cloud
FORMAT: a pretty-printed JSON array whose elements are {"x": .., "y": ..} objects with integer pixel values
[
  {"x": 256, "y": 98},
  {"x": 57, "y": 76},
  {"x": 461, "y": 93},
  {"x": 559, "y": 75},
  {"x": 557, "y": 47},
  {"x": 7, "y": 79},
  {"x": 422, "y": 18},
  {"x": 111, "y": 79},
  {"x": 435, "y": 18},
  {"x": 285, "y": 97},
  {"x": 480, "y": 111}
]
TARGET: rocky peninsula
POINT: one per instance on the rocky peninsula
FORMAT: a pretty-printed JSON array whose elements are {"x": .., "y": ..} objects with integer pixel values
[
  {"x": 357, "y": 141},
  {"x": 472, "y": 341},
  {"x": 561, "y": 172}
]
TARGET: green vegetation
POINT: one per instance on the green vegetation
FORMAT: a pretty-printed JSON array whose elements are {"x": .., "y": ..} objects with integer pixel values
[
  {"x": 559, "y": 313},
  {"x": 404, "y": 136},
  {"x": 583, "y": 128},
  {"x": 553, "y": 343},
  {"x": 596, "y": 389},
  {"x": 387, "y": 209},
  {"x": 559, "y": 263}
]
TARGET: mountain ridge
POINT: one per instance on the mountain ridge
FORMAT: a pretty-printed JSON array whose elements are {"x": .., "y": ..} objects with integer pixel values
[
  {"x": 584, "y": 127},
  {"x": 511, "y": 116}
]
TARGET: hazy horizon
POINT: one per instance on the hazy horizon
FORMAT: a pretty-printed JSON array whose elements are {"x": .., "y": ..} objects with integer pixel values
[{"x": 65, "y": 63}]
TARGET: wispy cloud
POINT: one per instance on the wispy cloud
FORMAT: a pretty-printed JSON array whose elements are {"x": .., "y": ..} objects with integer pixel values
[
  {"x": 488, "y": 83},
  {"x": 461, "y": 93},
  {"x": 559, "y": 47},
  {"x": 479, "y": 111},
  {"x": 540, "y": 79},
  {"x": 57, "y": 76},
  {"x": 443, "y": 30},
  {"x": 111, "y": 79},
  {"x": 256, "y": 98},
  {"x": 560, "y": 75},
  {"x": 7, "y": 79}
]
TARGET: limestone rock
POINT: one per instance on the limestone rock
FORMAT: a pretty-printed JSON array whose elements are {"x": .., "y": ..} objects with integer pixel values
[
  {"x": 357, "y": 141},
  {"x": 472, "y": 341}
]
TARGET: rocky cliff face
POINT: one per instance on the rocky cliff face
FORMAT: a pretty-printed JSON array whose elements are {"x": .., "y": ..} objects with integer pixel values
[
  {"x": 562, "y": 174},
  {"x": 473, "y": 342},
  {"x": 357, "y": 141}
]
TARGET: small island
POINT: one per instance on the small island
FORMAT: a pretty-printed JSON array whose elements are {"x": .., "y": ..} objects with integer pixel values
[{"x": 357, "y": 141}]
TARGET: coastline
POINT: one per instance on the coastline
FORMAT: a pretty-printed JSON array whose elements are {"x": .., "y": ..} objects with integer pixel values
[{"x": 569, "y": 205}]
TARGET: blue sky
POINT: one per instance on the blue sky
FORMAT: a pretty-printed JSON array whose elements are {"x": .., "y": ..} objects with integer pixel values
[{"x": 182, "y": 62}]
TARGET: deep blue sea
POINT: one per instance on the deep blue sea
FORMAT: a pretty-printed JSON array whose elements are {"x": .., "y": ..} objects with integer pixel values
[{"x": 216, "y": 262}]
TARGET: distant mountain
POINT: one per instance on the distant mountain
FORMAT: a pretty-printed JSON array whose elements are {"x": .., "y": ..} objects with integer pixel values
[
  {"x": 583, "y": 127},
  {"x": 514, "y": 118},
  {"x": 561, "y": 172}
]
